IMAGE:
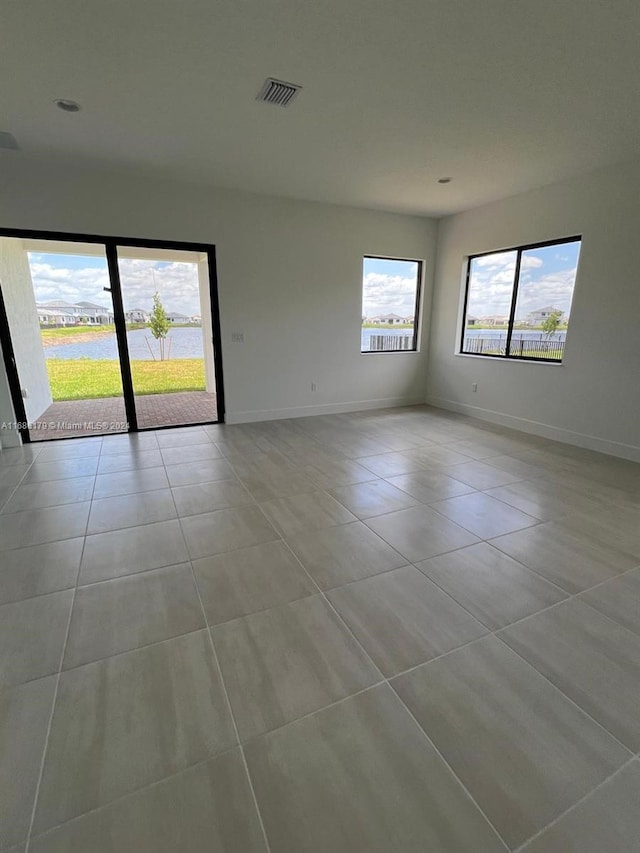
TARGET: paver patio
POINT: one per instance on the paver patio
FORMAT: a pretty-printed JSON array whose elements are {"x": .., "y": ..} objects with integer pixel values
[{"x": 70, "y": 418}]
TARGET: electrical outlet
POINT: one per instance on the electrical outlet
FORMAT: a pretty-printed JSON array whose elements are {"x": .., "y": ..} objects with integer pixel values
[
  {"x": 24, "y": 393},
  {"x": 474, "y": 387},
  {"x": 314, "y": 386},
  {"x": 237, "y": 337}
]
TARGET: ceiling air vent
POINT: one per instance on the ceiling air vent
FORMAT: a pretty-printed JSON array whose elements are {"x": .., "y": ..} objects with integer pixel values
[{"x": 277, "y": 92}]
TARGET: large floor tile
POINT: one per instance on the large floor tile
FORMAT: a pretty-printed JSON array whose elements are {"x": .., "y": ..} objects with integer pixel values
[
  {"x": 53, "y": 493},
  {"x": 39, "y": 569},
  {"x": 250, "y": 579},
  {"x": 190, "y": 453},
  {"x": 130, "y": 482},
  {"x": 607, "y": 820},
  {"x": 134, "y": 549},
  {"x": 205, "y": 808},
  {"x": 594, "y": 661},
  {"x": 130, "y": 720},
  {"x": 484, "y": 516},
  {"x": 403, "y": 619},
  {"x": 377, "y": 497},
  {"x": 348, "y": 552},
  {"x": 430, "y": 486},
  {"x": 62, "y": 469},
  {"x": 32, "y": 636},
  {"x": 128, "y": 612},
  {"x": 184, "y": 436},
  {"x": 283, "y": 663},
  {"x": 36, "y": 526},
  {"x": 619, "y": 599},
  {"x": 309, "y": 511},
  {"x": 521, "y": 748},
  {"x": 207, "y": 497},
  {"x": 529, "y": 497},
  {"x": 481, "y": 475},
  {"x": 614, "y": 525},
  {"x": 334, "y": 471},
  {"x": 269, "y": 476},
  {"x": 131, "y": 511},
  {"x": 204, "y": 471},
  {"x": 569, "y": 560},
  {"x": 434, "y": 457},
  {"x": 24, "y": 720},
  {"x": 419, "y": 533},
  {"x": 134, "y": 442},
  {"x": 389, "y": 464},
  {"x": 130, "y": 461},
  {"x": 360, "y": 777},
  {"x": 225, "y": 530},
  {"x": 76, "y": 448},
  {"x": 24, "y": 455},
  {"x": 489, "y": 584}
]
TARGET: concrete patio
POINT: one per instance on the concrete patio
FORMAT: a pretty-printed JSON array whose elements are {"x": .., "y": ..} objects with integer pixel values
[{"x": 71, "y": 418}]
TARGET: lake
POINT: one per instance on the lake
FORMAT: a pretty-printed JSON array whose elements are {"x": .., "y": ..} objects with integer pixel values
[{"x": 186, "y": 342}]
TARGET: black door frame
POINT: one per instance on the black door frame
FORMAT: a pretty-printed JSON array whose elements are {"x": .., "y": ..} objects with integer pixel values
[{"x": 111, "y": 249}]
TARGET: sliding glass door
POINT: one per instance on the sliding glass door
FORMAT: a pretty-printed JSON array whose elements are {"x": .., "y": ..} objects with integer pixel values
[
  {"x": 167, "y": 311},
  {"x": 102, "y": 335}
]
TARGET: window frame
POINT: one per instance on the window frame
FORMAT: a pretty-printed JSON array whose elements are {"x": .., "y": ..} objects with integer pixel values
[
  {"x": 514, "y": 298},
  {"x": 416, "y": 316}
]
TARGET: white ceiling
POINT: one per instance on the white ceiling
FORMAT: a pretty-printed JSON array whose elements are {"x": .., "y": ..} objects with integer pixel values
[{"x": 503, "y": 95}]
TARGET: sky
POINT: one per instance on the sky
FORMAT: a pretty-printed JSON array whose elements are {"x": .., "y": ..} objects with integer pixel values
[
  {"x": 81, "y": 278},
  {"x": 389, "y": 287},
  {"x": 547, "y": 276}
]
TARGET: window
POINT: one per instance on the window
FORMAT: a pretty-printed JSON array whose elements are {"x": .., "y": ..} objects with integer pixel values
[
  {"x": 390, "y": 303},
  {"x": 518, "y": 302}
]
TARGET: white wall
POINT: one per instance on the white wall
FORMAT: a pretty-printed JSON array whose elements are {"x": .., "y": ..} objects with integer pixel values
[
  {"x": 289, "y": 278},
  {"x": 20, "y": 304},
  {"x": 593, "y": 398}
]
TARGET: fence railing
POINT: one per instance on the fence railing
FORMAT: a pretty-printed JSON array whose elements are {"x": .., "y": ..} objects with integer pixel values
[
  {"x": 520, "y": 347},
  {"x": 384, "y": 343}
]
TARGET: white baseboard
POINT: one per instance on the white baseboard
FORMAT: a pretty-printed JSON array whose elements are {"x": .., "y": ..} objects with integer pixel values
[
  {"x": 590, "y": 442},
  {"x": 322, "y": 409}
]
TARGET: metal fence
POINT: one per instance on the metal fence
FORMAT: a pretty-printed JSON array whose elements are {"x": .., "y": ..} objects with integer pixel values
[
  {"x": 384, "y": 343},
  {"x": 520, "y": 347}
]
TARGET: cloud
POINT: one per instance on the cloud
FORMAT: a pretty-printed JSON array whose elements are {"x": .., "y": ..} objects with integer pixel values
[
  {"x": 388, "y": 294},
  {"x": 177, "y": 284}
]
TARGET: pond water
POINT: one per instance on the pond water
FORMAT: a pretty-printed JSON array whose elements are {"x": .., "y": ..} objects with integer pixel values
[{"x": 185, "y": 343}]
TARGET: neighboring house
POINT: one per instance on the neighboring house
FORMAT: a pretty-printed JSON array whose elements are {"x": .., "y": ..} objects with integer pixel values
[
  {"x": 96, "y": 314},
  {"x": 494, "y": 320},
  {"x": 60, "y": 313},
  {"x": 537, "y": 318},
  {"x": 471, "y": 321},
  {"x": 51, "y": 317},
  {"x": 175, "y": 317},
  {"x": 388, "y": 319},
  {"x": 137, "y": 315}
]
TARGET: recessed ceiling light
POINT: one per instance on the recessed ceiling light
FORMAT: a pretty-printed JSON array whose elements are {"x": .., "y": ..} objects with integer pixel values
[
  {"x": 444, "y": 180},
  {"x": 67, "y": 105}
]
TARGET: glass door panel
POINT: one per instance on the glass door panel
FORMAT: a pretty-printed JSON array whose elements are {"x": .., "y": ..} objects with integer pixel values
[
  {"x": 61, "y": 320},
  {"x": 167, "y": 311}
]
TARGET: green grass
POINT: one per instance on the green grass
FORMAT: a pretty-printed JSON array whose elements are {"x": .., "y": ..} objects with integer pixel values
[{"x": 88, "y": 379}]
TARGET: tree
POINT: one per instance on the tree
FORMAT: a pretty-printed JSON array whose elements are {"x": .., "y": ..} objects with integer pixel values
[
  {"x": 552, "y": 323},
  {"x": 159, "y": 323}
]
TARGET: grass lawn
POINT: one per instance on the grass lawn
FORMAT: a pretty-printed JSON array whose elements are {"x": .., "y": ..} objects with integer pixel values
[{"x": 88, "y": 379}]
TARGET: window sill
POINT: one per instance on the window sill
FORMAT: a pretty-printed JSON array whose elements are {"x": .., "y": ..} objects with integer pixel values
[{"x": 509, "y": 360}]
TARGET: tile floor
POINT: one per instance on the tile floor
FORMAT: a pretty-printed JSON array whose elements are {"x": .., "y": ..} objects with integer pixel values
[{"x": 386, "y": 631}]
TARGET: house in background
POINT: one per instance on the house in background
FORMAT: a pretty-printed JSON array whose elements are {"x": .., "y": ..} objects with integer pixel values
[
  {"x": 96, "y": 314},
  {"x": 537, "y": 317},
  {"x": 389, "y": 319},
  {"x": 175, "y": 317},
  {"x": 60, "y": 313},
  {"x": 137, "y": 315}
]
